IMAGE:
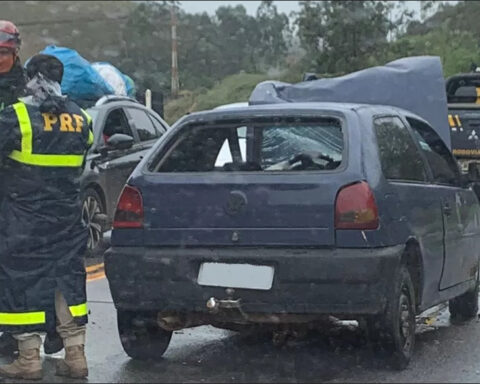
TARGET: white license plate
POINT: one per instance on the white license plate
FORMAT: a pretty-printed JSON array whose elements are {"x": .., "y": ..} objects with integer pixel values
[{"x": 246, "y": 276}]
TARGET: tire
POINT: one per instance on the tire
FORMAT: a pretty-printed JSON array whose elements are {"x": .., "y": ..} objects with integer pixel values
[
  {"x": 141, "y": 336},
  {"x": 394, "y": 331},
  {"x": 465, "y": 307},
  {"x": 92, "y": 206}
]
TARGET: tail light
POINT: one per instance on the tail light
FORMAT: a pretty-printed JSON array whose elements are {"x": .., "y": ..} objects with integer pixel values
[
  {"x": 355, "y": 208},
  {"x": 129, "y": 213}
]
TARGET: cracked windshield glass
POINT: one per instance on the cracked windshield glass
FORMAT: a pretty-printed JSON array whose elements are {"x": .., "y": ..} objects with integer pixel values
[{"x": 239, "y": 191}]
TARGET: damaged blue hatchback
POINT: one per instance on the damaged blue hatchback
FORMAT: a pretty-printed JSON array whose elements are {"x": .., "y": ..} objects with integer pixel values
[{"x": 279, "y": 215}]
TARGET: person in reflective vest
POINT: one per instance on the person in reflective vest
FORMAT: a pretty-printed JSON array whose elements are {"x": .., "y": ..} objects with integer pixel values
[
  {"x": 12, "y": 84},
  {"x": 43, "y": 143}
]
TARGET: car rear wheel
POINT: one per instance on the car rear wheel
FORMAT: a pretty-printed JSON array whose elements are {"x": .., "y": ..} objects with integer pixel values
[
  {"x": 141, "y": 336},
  {"x": 465, "y": 307},
  {"x": 394, "y": 331},
  {"x": 92, "y": 211}
]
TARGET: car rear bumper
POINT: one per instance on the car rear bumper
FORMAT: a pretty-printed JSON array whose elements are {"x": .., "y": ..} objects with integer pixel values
[{"x": 306, "y": 281}]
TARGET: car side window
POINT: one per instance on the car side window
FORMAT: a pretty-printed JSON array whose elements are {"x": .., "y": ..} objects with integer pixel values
[
  {"x": 444, "y": 166},
  {"x": 116, "y": 122},
  {"x": 399, "y": 155},
  {"x": 161, "y": 129},
  {"x": 145, "y": 129}
]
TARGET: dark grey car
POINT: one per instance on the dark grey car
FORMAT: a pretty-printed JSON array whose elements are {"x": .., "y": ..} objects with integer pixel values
[{"x": 124, "y": 131}]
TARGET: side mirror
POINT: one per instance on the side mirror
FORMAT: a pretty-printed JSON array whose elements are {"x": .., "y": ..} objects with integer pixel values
[{"x": 120, "y": 141}]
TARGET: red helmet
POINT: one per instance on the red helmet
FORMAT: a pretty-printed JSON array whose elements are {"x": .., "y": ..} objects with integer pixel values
[{"x": 9, "y": 35}]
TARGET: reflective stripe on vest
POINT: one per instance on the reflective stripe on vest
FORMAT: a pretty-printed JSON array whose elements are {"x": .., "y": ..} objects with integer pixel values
[
  {"x": 26, "y": 156},
  {"x": 90, "y": 133},
  {"x": 90, "y": 138},
  {"x": 79, "y": 310},
  {"x": 25, "y": 318},
  {"x": 89, "y": 118}
]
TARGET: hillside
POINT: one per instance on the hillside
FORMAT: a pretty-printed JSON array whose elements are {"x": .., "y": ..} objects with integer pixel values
[{"x": 232, "y": 89}]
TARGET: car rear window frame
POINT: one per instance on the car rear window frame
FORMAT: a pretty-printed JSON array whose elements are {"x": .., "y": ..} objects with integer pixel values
[{"x": 236, "y": 121}]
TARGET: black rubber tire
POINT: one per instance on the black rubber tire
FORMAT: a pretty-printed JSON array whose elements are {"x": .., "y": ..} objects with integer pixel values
[
  {"x": 394, "y": 331},
  {"x": 141, "y": 336},
  {"x": 465, "y": 307},
  {"x": 98, "y": 249}
]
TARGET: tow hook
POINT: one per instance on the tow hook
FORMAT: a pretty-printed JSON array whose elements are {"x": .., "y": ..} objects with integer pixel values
[{"x": 214, "y": 304}]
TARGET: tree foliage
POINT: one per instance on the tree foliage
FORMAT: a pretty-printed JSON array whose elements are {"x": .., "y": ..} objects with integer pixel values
[
  {"x": 209, "y": 47},
  {"x": 328, "y": 37},
  {"x": 341, "y": 36}
]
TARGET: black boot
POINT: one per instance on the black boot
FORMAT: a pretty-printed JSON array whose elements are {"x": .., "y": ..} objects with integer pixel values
[
  {"x": 53, "y": 343},
  {"x": 8, "y": 345}
]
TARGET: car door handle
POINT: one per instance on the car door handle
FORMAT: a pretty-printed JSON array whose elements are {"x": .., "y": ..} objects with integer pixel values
[{"x": 447, "y": 209}]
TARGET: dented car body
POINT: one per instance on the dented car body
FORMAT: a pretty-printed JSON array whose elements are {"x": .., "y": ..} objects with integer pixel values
[{"x": 286, "y": 213}]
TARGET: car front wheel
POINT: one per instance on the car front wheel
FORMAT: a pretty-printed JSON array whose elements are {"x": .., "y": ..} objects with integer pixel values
[
  {"x": 393, "y": 332},
  {"x": 141, "y": 336}
]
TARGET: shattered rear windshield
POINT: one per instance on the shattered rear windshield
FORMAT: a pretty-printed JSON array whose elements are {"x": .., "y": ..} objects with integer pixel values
[{"x": 288, "y": 145}]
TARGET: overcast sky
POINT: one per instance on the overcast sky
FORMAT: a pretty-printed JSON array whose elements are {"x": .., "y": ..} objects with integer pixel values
[{"x": 251, "y": 6}]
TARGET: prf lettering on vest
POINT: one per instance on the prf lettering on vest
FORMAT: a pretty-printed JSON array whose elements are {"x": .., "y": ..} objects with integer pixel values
[{"x": 66, "y": 122}]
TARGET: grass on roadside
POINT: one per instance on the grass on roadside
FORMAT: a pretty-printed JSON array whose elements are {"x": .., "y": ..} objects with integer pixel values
[{"x": 232, "y": 89}]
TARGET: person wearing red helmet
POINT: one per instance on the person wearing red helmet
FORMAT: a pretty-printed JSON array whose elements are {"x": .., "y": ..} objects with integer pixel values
[
  {"x": 12, "y": 76},
  {"x": 12, "y": 84}
]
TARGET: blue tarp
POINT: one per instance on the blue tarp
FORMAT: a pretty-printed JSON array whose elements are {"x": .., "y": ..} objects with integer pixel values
[
  {"x": 80, "y": 80},
  {"x": 416, "y": 84},
  {"x": 131, "y": 89}
]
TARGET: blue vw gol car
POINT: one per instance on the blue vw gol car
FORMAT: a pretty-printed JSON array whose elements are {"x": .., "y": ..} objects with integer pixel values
[{"x": 283, "y": 214}]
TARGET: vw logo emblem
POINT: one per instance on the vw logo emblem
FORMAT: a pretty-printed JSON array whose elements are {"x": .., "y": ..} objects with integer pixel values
[{"x": 236, "y": 203}]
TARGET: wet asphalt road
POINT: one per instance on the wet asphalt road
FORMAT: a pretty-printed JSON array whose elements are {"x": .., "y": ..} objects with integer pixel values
[{"x": 444, "y": 353}]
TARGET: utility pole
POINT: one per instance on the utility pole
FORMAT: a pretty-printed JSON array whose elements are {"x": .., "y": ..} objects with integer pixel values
[{"x": 175, "y": 82}]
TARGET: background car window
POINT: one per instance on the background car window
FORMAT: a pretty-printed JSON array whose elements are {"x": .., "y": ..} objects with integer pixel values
[
  {"x": 398, "y": 153},
  {"x": 444, "y": 167},
  {"x": 116, "y": 122},
  {"x": 161, "y": 129},
  {"x": 146, "y": 130}
]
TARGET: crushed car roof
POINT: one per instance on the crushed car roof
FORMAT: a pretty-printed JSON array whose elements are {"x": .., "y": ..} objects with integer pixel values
[{"x": 415, "y": 84}]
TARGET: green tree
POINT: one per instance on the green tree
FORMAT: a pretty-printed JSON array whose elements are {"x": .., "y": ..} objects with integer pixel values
[
  {"x": 200, "y": 56},
  {"x": 147, "y": 45},
  {"x": 274, "y": 28},
  {"x": 238, "y": 39},
  {"x": 343, "y": 36},
  {"x": 457, "y": 49}
]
